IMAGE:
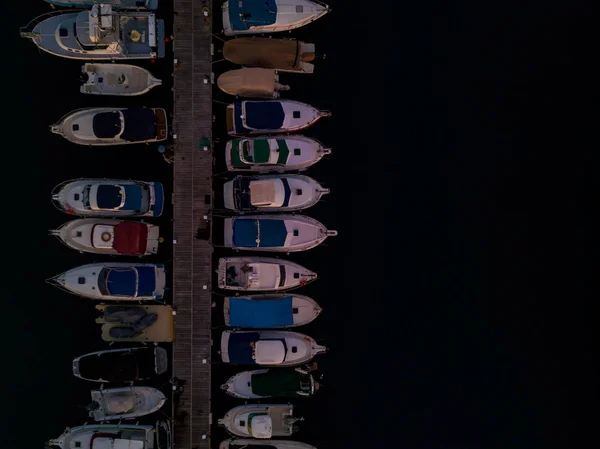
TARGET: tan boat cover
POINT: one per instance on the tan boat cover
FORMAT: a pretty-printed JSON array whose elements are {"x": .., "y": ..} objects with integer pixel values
[
  {"x": 262, "y": 193},
  {"x": 279, "y": 54},
  {"x": 248, "y": 82}
]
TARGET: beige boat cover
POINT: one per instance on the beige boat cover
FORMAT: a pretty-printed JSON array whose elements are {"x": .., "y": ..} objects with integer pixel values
[
  {"x": 248, "y": 82},
  {"x": 262, "y": 193},
  {"x": 279, "y": 54}
]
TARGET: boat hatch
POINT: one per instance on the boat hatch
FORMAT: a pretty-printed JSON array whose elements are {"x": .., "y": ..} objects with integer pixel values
[{"x": 269, "y": 351}]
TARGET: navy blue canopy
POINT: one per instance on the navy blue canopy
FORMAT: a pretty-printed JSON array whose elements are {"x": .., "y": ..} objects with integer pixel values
[
  {"x": 133, "y": 197},
  {"x": 265, "y": 115},
  {"x": 253, "y": 233},
  {"x": 109, "y": 196},
  {"x": 140, "y": 124},
  {"x": 261, "y": 313},
  {"x": 246, "y": 13},
  {"x": 106, "y": 124},
  {"x": 122, "y": 282},
  {"x": 239, "y": 349},
  {"x": 146, "y": 281}
]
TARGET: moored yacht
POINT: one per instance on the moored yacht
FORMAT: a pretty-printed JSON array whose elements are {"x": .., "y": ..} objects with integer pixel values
[{"x": 99, "y": 33}]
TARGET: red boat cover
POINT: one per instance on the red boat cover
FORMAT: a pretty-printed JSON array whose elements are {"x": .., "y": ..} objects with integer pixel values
[{"x": 131, "y": 238}]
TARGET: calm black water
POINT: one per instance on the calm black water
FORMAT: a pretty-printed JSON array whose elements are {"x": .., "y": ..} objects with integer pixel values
[{"x": 455, "y": 294}]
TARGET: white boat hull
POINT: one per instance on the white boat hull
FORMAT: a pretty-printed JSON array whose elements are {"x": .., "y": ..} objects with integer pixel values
[
  {"x": 236, "y": 421},
  {"x": 265, "y": 274},
  {"x": 93, "y": 281},
  {"x": 126, "y": 402},
  {"x": 117, "y": 79},
  {"x": 305, "y": 309},
  {"x": 243, "y": 443},
  {"x": 287, "y": 153},
  {"x": 280, "y": 193},
  {"x": 99, "y": 236},
  {"x": 304, "y": 346},
  {"x": 301, "y": 234}
]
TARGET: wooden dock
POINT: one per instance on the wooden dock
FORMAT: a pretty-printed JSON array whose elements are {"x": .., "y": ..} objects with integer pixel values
[{"x": 192, "y": 195}]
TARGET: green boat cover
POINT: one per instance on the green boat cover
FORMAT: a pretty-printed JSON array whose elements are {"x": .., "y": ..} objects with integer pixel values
[
  {"x": 280, "y": 383},
  {"x": 261, "y": 153}
]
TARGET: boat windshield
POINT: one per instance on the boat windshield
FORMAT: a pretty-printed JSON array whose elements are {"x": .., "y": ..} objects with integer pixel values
[{"x": 86, "y": 197}]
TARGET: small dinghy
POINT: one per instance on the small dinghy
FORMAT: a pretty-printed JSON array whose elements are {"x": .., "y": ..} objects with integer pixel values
[
  {"x": 114, "y": 281},
  {"x": 116, "y": 79},
  {"x": 125, "y": 323},
  {"x": 272, "y": 193},
  {"x": 110, "y": 237},
  {"x": 269, "y": 16},
  {"x": 274, "y": 382},
  {"x": 268, "y": 348},
  {"x": 116, "y": 4},
  {"x": 115, "y": 436},
  {"x": 251, "y": 82},
  {"x": 109, "y": 198},
  {"x": 261, "y": 274},
  {"x": 261, "y": 421},
  {"x": 270, "y": 154},
  {"x": 270, "y": 311},
  {"x": 270, "y": 117},
  {"x": 122, "y": 365},
  {"x": 113, "y": 126},
  {"x": 274, "y": 233},
  {"x": 285, "y": 55},
  {"x": 125, "y": 403},
  {"x": 98, "y": 33},
  {"x": 242, "y": 443}
]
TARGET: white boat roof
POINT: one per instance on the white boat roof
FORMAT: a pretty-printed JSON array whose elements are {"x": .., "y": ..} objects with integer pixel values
[
  {"x": 261, "y": 426},
  {"x": 117, "y": 443},
  {"x": 263, "y": 275},
  {"x": 267, "y": 192},
  {"x": 269, "y": 352}
]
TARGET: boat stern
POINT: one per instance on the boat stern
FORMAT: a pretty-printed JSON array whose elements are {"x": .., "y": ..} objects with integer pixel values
[
  {"x": 227, "y": 30},
  {"x": 161, "y": 360},
  {"x": 162, "y": 125},
  {"x": 161, "y": 282},
  {"x": 228, "y": 198},
  {"x": 230, "y": 119},
  {"x": 157, "y": 199},
  {"x": 225, "y": 346}
]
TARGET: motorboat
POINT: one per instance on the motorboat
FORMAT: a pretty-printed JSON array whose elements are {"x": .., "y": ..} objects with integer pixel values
[
  {"x": 122, "y": 365},
  {"x": 110, "y": 237},
  {"x": 261, "y": 421},
  {"x": 114, "y": 281},
  {"x": 284, "y": 55},
  {"x": 274, "y": 233},
  {"x": 268, "y": 348},
  {"x": 112, "y": 126},
  {"x": 262, "y": 274},
  {"x": 109, "y": 198},
  {"x": 243, "y": 443},
  {"x": 272, "y": 382},
  {"x": 115, "y": 436},
  {"x": 272, "y": 193},
  {"x": 140, "y": 323},
  {"x": 273, "y": 154},
  {"x": 98, "y": 33},
  {"x": 270, "y": 16},
  {"x": 116, "y": 79},
  {"x": 252, "y": 82},
  {"x": 124, "y": 403},
  {"x": 116, "y": 4},
  {"x": 249, "y": 117},
  {"x": 270, "y": 311}
]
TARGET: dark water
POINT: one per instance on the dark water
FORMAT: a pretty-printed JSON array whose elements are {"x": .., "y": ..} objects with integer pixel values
[{"x": 455, "y": 296}]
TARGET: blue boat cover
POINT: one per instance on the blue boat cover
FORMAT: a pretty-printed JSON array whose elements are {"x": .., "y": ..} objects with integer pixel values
[
  {"x": 246, "y": 13},
  {"x": 109, "y": 196},
  {"x": 263, "y": 233},
  {"x": 146, "y": 281},
  {"x": 122, "y": 282},
  {"x": 133, "y": 197},
  {"x": 159, "y": 199},
  {"x": 263, "y": 313},
  {"x": 106, "y": 125},
  {"x": 237, "y": 115},
  {"x": 267, "y": 115},
  {"x": 140, "y": 124},
  {"x": 239, "y": 349}
]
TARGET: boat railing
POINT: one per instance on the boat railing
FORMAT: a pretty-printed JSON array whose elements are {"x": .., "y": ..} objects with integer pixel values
[
  {"x": 26, "y": 31},
  {"x": 60, "y": 120}
]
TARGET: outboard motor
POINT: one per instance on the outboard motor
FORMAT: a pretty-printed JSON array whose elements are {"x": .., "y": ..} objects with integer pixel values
[
  {"x": 84, "y": 77},
  {"x": 93, "y": 406}
]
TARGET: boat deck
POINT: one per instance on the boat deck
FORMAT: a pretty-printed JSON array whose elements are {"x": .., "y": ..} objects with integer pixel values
[{"x": 192, "y": 197}]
